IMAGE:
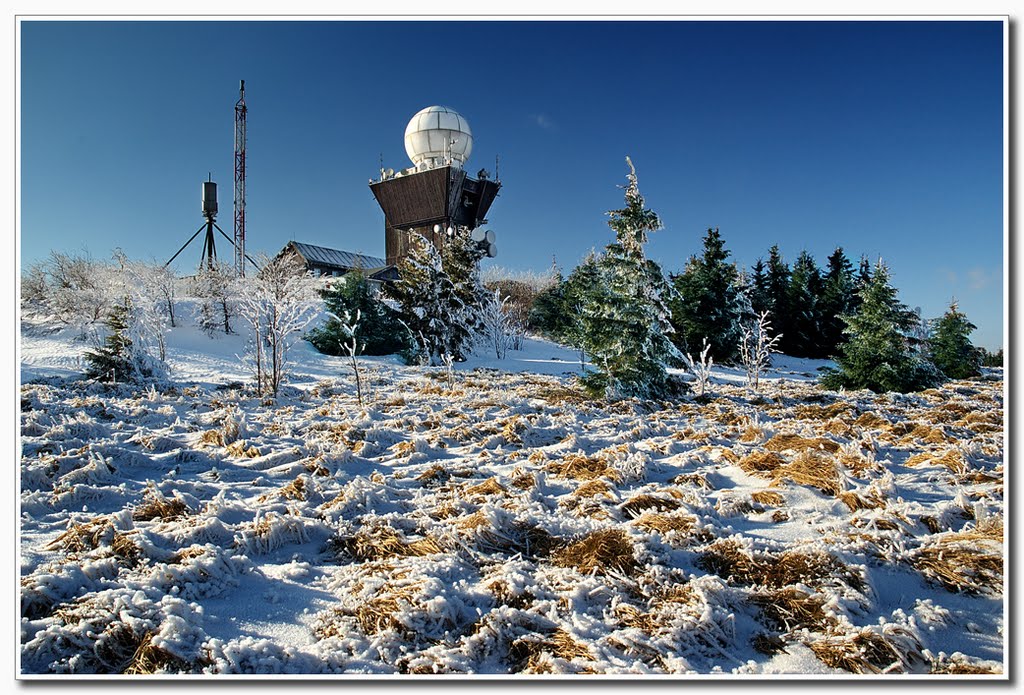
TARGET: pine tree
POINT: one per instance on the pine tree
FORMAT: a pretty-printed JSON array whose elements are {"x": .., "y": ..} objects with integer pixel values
[
  {"x": 380, "y": 333},
  {"x": 704, "y": 305},
  {"x": 836, "y": 300},
  {"x": 429, "y": 305},
  {"x": 804, "y": 339},
  {"x": 119, "y": 359},
  {"x": 625, "y": 318},
  {"x": 950, "y": 345},
  {"x": 550, "y": 313},
  {"x": 778, "y": 295},
  {"x": 460, "y": 261},
  {"x": 876, "y": 354},
  {"x": 759, "y": 295}
]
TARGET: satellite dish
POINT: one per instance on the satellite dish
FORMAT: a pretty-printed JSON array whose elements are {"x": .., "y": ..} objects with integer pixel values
[
  {"x": 492, "y": 250},
  {"x": 489, "y": 235},
  {"x": 437, "y": 228},
  {"x": 390, "y": 173},
  {"x": 477, "y": 235}
]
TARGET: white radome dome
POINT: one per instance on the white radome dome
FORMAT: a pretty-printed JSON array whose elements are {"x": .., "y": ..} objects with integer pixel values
[{"x": 437, "y": 134}]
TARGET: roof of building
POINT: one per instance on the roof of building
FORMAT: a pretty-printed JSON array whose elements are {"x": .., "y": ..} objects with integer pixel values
[{"x": 339, "y": 259}]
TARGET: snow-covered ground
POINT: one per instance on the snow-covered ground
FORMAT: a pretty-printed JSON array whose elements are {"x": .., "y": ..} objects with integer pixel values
[{"x": 500, "y": 522}]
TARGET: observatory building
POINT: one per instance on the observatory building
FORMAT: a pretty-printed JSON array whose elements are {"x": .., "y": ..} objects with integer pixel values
[{"x": 434, "y": 197}]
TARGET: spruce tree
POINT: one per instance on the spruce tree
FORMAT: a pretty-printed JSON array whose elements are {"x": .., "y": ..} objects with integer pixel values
[
  {"x": 778, "y": 296},
  {"x": 705, "y": 301},
  {"x": 380, "y": 333},
  {"x": 951, "y": 348},
  {"x": 759, "y": 295},
  {"x": 625, "y": 318},
  {"x": 430, "y": 305},
  {"x": 119, "y": 359},
  {"x": 460, "y": 260},
  {"x": 876, "y": 354},
  {"x": 804, "y": 338},
  {"x": 836, "y": 300},
  {"x": 550, "y": 313}
]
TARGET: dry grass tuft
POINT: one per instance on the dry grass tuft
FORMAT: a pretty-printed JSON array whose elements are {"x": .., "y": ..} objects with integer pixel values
[
  {"x": 239, "y": 449},
  {"x": 489, "y": 487},
  {"x": 531, "y": 654},
  {"x": 383, "y": 542},
  {"x": 812, "y": 467},
  {"x": 631, "y": 616},
  {"x": 922, "y": 434},
  {"x": 160, "y": 507},
  {"x": 149, "y": 659},
  {"x": 523, "y": 480},
  {"x": 593, "y": 488},
  {"x": 641, "y": 503},
  {"x": 768, "y": 498},
  {"x": 693, "y": 479},
  {"x": 794, "y": 442},
  {"x": 600, "y": 552},
  {"x": 84, "y": 537},
  {"x": 970, "y": 561},
  {"x": 792, "y": 609},
  {"x": 871, "y": 420},
  {"x": 726, "y": 559},
  {"x": 434, "y": 476},
  {"x": 212, "y": 438},
  {"x": 762, "y": 463},
  {"x": 864, "y": 652},
  {"x": 857, "y": 502},
  {"x": 951, "y": 459},
  {"x": 581, "y": 467},
  {"x": 821, "y": 412}
]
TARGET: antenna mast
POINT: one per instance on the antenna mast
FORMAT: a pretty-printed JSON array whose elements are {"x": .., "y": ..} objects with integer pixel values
[{"x": 240, "y": 112}]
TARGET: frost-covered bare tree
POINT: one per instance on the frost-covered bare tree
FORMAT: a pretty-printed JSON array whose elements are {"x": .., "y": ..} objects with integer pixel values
[
  {"x": 276, "y": 305},
  {"x": 78, "y": 293},
  {"x": 496, "y": 323},
  {"x": 35, "y": 291},
  {"x": 701, "y": 368},
  {"x": 161, "y": 284},
  {"x": 349, "y": 325},
  {"x": 215, "y": 288},
  {"x": 756, "y": 347}
]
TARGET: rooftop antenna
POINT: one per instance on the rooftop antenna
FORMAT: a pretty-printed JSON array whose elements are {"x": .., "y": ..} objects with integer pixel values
[
  {"x": 239, "y": 242},
  {"x": 209, "y": 202},
  {"x": 497, "y": 176}
]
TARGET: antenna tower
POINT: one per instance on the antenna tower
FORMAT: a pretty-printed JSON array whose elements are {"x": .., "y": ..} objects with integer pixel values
[{"x": 240, "y": 112}]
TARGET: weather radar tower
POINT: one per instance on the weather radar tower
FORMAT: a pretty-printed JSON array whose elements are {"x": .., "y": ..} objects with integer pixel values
[
  {"x": 435, "y": 198},
  {"x": 240, "y": 113}
]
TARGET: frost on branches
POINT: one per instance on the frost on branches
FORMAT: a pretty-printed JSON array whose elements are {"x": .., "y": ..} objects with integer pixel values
[
  {"x": 756, "y": 347},
  {"x": 276, "y": 305},
  {"x": 430, "y": 305},
  {"x": 625, "y": 316}
]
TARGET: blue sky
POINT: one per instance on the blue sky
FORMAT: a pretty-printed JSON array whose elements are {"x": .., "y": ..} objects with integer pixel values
[{"x": 885, "y": 138}]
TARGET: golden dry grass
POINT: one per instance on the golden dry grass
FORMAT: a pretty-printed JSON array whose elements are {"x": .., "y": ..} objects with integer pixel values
[
  {"x": 951, "y": 459},
  {"x": 638, "y": 504},
  {"x": 84, "y": 537},
  {"x": 863, "y": 652},
  {"x": 239, "y": 449},
  {"x": 729, "y": 561},
  {"x": 383, "y": 542},
  {"x": 794, "y": 442},
  {"x": 769, "y": 498},
  {"x": 149, "y": 659},
  {"x": 968, "y": 561},
  {"x": 822, "y": 412},
  {"x": 581, "y": 467},
  {"x": 762, "y": 463},
  {"x": 491, "y": 486},
  {"x": 793, "y": 609},
  {"x": 812, "y": 468},
  {"x": 531, "y": 654},
  {"x": 159, "y": 507},
  {"x": 600, "y": 552}
]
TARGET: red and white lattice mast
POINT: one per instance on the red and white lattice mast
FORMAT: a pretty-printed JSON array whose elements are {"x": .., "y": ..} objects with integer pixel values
[{"x": 240, "y": 181}]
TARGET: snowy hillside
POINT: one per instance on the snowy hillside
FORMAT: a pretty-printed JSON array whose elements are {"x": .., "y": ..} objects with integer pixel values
[{"x": 499, "y": 522}]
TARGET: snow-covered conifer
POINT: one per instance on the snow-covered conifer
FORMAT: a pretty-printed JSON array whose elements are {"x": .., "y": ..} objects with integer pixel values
[
  {"x": 877, "y": 354},
  {"x": 704, "y": 306},
  {"x": 950, "y": 345},
  {"x": 625, "y": 318},
  {"x": 429, "y": 303}
]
